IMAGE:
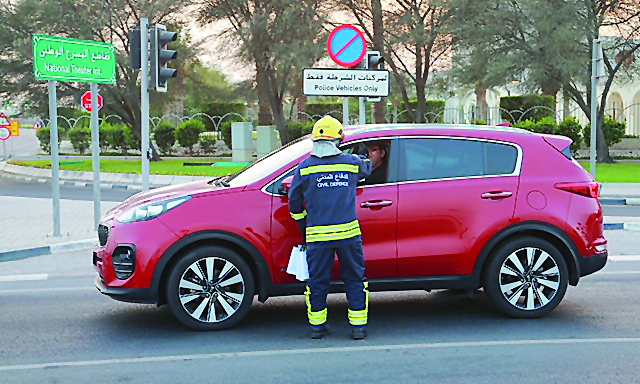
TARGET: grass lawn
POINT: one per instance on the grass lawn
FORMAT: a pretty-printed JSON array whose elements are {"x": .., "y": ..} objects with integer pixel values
[
  {"x": 164, "y": 167},
  {"x": 620, "y": 172}
]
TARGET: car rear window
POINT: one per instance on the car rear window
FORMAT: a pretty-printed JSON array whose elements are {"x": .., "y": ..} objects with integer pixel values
[{"x": 443, "y": 158}]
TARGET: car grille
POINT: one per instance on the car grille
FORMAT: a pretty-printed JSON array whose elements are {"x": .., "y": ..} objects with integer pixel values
[{"x": 103, "y": 234}]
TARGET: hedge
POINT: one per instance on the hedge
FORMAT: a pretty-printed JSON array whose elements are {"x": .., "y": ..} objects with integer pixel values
[
  {"x": 513, "y": 107},
  {"x": 220, "y": 109},
  {"x": 433, "y": 110}
]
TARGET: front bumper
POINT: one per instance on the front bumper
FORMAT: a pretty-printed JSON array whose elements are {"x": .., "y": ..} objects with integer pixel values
[
  {"x": 129, "y": 295},
  {"x": 591, "y": 264}
]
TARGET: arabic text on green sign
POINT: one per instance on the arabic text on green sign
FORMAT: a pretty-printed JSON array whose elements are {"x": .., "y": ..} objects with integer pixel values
[{"x": 63, "y": 59}]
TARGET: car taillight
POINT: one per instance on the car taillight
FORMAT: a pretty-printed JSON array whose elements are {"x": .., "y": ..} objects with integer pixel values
[{"x": 589, "y": 189}]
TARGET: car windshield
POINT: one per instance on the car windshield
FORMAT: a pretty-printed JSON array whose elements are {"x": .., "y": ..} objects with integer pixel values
[{"x": 271, "y": 163}]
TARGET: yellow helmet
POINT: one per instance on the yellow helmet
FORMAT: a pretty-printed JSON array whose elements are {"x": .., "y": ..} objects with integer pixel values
[{"x": 327, "y": 128}]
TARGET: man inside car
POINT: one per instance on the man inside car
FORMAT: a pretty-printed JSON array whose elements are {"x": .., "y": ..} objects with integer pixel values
[{"x": 378, "y": 154}]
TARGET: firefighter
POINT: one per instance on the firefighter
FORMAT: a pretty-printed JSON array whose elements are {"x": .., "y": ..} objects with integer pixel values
[{"x": 326, "y": 182}]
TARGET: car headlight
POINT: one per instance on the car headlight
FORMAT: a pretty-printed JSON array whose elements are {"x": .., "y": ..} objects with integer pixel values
[{"x": 151, "y": 211}]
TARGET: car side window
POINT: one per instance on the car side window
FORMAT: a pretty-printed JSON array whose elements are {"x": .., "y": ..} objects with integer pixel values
[
  {"x": 274, "y": 188},
  {"x": 435, "y": 158}
]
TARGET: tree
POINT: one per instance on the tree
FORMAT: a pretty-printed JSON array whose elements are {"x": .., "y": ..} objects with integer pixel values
[
  {"x": 414, "y": 38},
  {"x": 204, "y": 85},
  {"x": 277, "y": 37},
  {"x": 105, "y": 20},
  {"x": 549, "y": 42}
]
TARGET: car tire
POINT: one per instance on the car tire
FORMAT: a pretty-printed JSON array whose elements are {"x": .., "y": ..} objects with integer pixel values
[
  {"x": 211, "y": 288},
  {"x": 526, "y": 277}
]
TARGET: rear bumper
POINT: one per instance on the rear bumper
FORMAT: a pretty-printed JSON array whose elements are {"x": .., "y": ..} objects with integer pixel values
[
  {"x": 589, "y": 265},
  {"x": 129, "y": 295}
]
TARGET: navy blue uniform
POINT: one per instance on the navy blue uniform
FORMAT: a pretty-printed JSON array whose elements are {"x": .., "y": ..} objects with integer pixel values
[{"x": 328, "y": 187}]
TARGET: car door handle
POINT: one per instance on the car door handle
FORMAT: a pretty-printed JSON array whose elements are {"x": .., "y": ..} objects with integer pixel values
[
  {"x": 376, "y": 204},
  {"x": 496, "y": 195}
]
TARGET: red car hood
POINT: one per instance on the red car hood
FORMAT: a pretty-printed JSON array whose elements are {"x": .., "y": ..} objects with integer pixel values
[{"x": 165, "y": 193}]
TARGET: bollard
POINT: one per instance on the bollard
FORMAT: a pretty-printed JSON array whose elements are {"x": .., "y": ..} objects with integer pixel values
[
  {"x": 242, "y": 141},
  {"x": 267, "y": 140}
]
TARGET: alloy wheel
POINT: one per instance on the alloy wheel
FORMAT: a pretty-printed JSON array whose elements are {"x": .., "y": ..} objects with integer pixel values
[
  {"x": 211, "y": 289},
  {"x": 529, "y": 278}
]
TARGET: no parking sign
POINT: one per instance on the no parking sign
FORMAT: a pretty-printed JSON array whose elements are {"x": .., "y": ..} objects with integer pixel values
[{"x": 347, "y": 45}]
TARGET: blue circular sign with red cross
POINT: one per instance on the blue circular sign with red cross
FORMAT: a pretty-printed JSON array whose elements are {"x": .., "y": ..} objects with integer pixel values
[{"x": 347, "y": 45}]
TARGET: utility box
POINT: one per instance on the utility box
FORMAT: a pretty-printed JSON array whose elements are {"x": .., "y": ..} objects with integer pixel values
[
  {"x": 267, "y": 137},
  {"x": 242, "y": 141}
]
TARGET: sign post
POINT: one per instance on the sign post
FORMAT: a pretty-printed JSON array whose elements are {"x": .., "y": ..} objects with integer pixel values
[
  {"x": 347, "y": 47},
  {"x": 5, "y": 134},
  {"x": 64, "y": 59}
]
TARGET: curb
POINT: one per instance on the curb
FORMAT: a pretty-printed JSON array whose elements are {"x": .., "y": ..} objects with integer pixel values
[
  {"x": 107, "y": 180},
  {"x": 53, "y": 249},
  {"x": 622, "y": 226},
  {"x": 620, "y": 201},
  {"x": 75, "y": 183}
]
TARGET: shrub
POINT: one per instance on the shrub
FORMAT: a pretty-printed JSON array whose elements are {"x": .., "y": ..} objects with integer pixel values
[
  {"x": 225, "y": 131},
  {"x": 80, "y": 139},
  {"x": 165, "y": 136},
  {"x": 478, "y": 122},
  {"x": 572, "y": 129},
  {"x": 131, "y": 138},
  {"x": 116, "y": 137},
  {"x": 513, "y": 107},
  {"x": 299, "y": 129},
  {"x": 433, "y": 111},
  {"x": 189, "y": 132},
  {"x": 44, "y": 135},
  {"x": 613, "y": 130},
  {"x": 208, "y": 141},
  {"x": 103, "y": 133},
  {"x": 569, "y": 127}
]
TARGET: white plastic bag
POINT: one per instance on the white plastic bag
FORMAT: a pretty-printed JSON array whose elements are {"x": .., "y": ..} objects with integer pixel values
[{"x": 298, "y": 263}]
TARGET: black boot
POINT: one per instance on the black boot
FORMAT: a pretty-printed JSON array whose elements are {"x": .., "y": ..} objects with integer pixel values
[
  {"x": 358, "y": 332},
  {"x": 319, "y": 331}
]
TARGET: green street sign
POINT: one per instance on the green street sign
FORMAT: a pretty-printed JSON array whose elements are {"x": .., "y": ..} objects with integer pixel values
[{"x": 72, "y": 60}]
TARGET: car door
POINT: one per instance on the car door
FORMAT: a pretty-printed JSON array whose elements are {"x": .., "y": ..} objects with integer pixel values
[
  {"x": 454, "y": 193},
  {"x": 377, "y": 211}
]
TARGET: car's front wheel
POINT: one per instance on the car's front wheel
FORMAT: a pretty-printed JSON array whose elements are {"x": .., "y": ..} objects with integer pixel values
[
  {"x": 210, "y": 288},
  {"x": 526, "y": 277}
]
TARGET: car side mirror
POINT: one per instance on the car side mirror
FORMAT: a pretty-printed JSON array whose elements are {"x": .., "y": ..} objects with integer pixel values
[{"x": 285, "y": 186}]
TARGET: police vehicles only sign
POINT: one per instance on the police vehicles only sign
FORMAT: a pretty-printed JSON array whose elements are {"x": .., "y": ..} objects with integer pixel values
[{"x": 345, "y": 82}]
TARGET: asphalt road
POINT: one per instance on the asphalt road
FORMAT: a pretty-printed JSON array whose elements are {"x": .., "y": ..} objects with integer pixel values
[{"x": 59, "y": 329}]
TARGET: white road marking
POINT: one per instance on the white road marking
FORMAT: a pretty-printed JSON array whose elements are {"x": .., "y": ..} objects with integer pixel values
[
  {"x": 284, "y": 352},
  {"x": 44, "y": 290},
  {"x": 42, "y": 276},
  {"x": 625, "y": 258}
]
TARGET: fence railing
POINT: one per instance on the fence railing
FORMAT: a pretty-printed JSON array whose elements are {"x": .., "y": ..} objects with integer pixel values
[{"x": 451, "y": 115}]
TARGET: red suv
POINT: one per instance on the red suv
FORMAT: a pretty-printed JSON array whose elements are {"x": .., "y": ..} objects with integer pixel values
[{"x": 462, "y": 207}]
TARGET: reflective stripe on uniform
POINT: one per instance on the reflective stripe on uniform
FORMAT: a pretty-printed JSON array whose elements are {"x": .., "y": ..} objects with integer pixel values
[
  {"x": 315, "y": 318},
  {"x": 361, "y": 317},
  {"x": 333, "y": 232},
  {"x": 329, "y": 168},
  {"x": 299, "y": 216}
]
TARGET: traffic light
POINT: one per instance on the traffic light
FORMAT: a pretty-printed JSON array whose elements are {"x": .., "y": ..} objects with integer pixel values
[
  {"x": 159, "y": 57},
  {"x": 373, "y": 60},
  {"x": 134, "y": 49}
]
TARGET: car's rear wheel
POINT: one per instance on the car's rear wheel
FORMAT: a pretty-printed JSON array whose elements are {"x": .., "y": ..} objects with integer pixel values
[
  {"x": 526, "y": 277},
  {"x": 210, "y": 288}
]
